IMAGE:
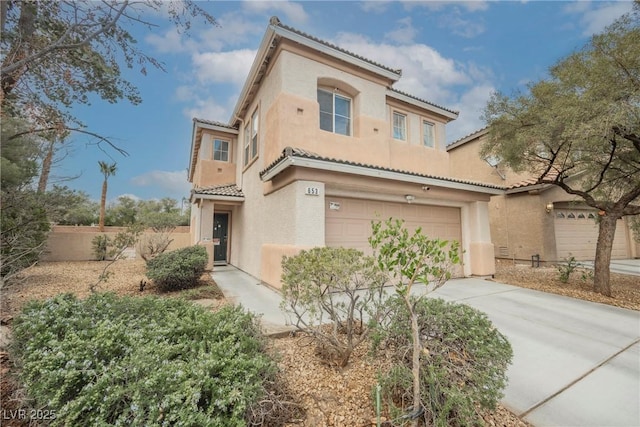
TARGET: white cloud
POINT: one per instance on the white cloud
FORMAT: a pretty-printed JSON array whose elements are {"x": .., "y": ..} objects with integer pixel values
[
  {"x": 406, "y": 33},
  {"x": 378, "y": 7},
  {"x": 460, "y": 26},
  {"x": 209, "y": 109},
  {"x": 172, "y": 183},
  {"x": 171, "y": 42},
  {"x": 223, "y": 67},
  {"x": 596, "y": 16},
  {"x": 425, "y": 72},
  {"x": 470, "y": 6},
  {"x": 470, "y": 104},
  {"x": 293, "y": 12},
  {"x": 235, "y": 28}
]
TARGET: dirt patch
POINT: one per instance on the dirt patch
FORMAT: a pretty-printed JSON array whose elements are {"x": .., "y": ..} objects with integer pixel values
[
  {"x": 625, "y": 288},
  {"x": 331, "y": 397}
]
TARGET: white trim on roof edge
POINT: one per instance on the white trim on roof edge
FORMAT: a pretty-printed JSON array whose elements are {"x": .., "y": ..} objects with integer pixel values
[
  {"x": 328, "y": 50},
  {"x": 373, "y": 173},
  {"x": 217, "y": 197},
  {"x": 421, "y": 104}
]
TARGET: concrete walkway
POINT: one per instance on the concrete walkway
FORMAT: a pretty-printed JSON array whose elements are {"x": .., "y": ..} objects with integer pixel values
[
  {"x": 629, "y": 267},
  {"x": 576, "y": 363}
]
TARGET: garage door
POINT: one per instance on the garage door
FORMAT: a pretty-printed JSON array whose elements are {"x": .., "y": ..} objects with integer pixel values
[
  {"x": 577, "y": 235},
  {"x": 348, "y": 221}
]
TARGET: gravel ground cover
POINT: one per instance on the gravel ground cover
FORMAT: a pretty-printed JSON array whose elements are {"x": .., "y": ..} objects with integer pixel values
[{"x": 331, "y": 397}]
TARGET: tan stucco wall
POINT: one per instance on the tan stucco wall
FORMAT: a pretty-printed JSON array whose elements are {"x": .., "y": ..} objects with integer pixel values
[
  {"x": 207, "y": 171},
  {"x": 271, "y": 257},
  {"x": 290, "y": 111},
  {"x": 69, "y": 243},
  {"x": 466, "y": 163}
]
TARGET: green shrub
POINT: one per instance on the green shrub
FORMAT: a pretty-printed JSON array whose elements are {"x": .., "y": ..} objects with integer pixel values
[
  {"x": 140, "y": 361},
  {"x": 100, "y": 245},
  {"x": 565, "y": 269},
  {"x": 179, "y": 269},
  {"x": 463, "y": 361},
  {"x": 333, "y": 293}
]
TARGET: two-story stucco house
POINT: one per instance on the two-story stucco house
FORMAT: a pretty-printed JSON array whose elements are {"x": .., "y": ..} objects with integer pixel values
[
  {"x": 532, "y": 219},
  {"x": 318, "y": 145}
]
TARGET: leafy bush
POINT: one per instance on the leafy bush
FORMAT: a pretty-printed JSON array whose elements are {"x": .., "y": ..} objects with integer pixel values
[
  {"x": 140, "y": 361},
  {"x": 565, "y": 269},
  {"x": 463, "y": 361},
  {"x": 179, "y": 269},
  {"x": 332, "y": 293},
  {"x": 100, "y": 245}
]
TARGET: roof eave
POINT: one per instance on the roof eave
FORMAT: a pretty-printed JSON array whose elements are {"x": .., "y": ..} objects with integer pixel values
[
  {"x": 218, "y": 197},
  {"x": 289, "y": 161},
  {"x": 451, "y": 115},
  {"x": 394, "y": 76},
  {"x": 265, "y": 45},
  {"x": 475, "y": 135}
]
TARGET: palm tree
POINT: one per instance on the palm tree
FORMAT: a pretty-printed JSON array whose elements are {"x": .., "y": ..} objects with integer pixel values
[{"x": 107, "y": 170}]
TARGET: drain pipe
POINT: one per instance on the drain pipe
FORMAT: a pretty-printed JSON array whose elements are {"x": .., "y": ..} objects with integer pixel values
[{"x": 241, "y": 150}]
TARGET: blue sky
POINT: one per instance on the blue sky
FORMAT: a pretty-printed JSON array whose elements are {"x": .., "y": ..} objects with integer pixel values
[{"x": 454, "y": 54}]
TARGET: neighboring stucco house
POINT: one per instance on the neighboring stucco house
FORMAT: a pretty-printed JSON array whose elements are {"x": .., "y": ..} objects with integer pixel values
[
  {"x": 318, "y": 145},
  {"x": 534, "y": 219}
]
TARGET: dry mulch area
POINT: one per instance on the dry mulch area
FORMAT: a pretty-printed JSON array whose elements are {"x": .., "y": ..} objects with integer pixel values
[
  {"x": 625, "y": 289},
  {"x": 330, "y": 396}
]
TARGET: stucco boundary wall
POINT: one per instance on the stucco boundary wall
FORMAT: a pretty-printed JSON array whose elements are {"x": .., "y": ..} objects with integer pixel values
[
  {"x": 271, "y": 268},
  {"x": 73, "y": 243}
]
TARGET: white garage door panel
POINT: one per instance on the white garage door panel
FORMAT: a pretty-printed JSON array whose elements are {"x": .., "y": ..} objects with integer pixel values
[
  {"x": 577, "y": 235},
  {"x": 350, "y": 226}
]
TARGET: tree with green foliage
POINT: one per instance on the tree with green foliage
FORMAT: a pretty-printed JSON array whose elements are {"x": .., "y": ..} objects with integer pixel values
[
  {"x": 70, "y": 207},
  {"x": 411, "y": 258},
  {"x": 57, "y": 54},
  {"x": 24, "y": 224},
  {"x": 335, "y": 295},
  {"x": 107, "y": 170},
  {"x": 580, "y": 130}
]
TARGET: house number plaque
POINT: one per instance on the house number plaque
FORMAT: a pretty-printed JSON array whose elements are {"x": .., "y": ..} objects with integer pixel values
[{"x": 312, "y": 191}]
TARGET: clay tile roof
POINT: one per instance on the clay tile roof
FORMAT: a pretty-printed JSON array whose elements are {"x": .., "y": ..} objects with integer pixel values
[
  {"x": 213, "y": 123},
  {"x": 230, "y": 190},
  {"x": 332, "y": 46},
  {"x": 550, "y": 176},
  {"x": 298, "y": 152},
  {"x": 424, "y": 100}
]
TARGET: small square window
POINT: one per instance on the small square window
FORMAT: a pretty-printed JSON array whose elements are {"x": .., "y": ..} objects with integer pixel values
[
  {"x": 220, "y": 150},
  {"x": 399, "y": 126}
]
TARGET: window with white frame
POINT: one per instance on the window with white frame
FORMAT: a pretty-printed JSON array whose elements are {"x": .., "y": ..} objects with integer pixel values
[
  {"x": 251, "y": 139},
  {"x": 428, "y": 134},
  {"x": 335, "y": 112},
  {"x": 247, "y": 139},
  {"x": 399, "y": 126},
  {"x": 221, "y": 150}
]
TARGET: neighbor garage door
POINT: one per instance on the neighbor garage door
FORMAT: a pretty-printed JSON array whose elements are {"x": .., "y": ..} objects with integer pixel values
[
  {"x": 577, "y": 235},
  {"x": 348, "y": 221}
]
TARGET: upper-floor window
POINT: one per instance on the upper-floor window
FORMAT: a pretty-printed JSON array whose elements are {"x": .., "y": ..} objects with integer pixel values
[
  {"x": 428, "y": 134},
  {"x": 399, "y": 126},
  {"x": 251, "y": 139},
  {"x": 335, "y": 112},
  {"x": 221, "y": 150}
]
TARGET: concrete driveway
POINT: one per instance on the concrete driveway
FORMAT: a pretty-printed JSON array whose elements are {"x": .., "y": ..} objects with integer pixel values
[
  {"x": 576, "y": 363},
  {"x": 629, "y": 267}
]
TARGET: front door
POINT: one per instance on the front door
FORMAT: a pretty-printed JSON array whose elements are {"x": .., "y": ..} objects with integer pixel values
[{"x": 220, "y": 233}]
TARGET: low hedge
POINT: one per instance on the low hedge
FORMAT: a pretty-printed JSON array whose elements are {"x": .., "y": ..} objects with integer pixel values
[
  {"x": 178, "y": 269},
  {"x": 137, "y": 361}
]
